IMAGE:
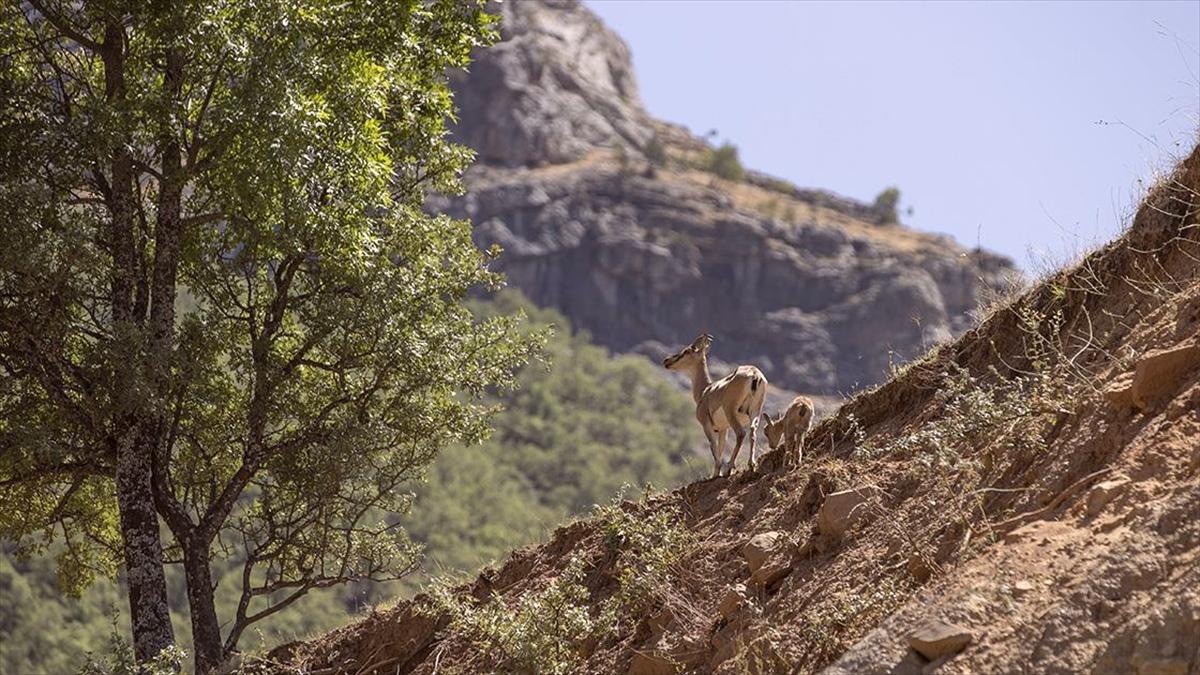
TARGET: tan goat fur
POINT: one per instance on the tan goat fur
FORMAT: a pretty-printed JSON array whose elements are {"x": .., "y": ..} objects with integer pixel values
[
  {"x": 789, "y": 429},
  {"x": 733, "y": 402}
]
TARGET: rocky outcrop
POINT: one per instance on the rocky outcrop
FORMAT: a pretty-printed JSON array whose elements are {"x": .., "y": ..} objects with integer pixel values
[
  {"x": 805, "y": 284},
  {"x": 557, "y": 85}
]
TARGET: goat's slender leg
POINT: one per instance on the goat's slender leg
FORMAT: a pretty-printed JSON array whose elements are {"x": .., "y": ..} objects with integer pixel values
[
  {"x": 739, "y": 431},
  {"x": 715, "y": 444},
  {"x": 723, "y": 435},
  {"x": 753, "y": 442}
]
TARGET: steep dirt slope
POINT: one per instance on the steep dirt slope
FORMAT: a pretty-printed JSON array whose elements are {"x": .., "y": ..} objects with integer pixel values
[
  {"x": 1034, "y": 486},
  {"x": 815, "y": 289}
]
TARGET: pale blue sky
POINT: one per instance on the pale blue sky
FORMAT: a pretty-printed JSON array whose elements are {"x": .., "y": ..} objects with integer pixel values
[{"x": 1020, "y": 126}]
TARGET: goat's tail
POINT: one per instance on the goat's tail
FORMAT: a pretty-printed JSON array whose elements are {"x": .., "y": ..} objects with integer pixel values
[{"x": 757, "y": 399}]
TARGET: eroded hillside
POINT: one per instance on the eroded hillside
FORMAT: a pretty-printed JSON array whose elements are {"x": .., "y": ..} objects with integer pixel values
[
  {"x": 605, "y": 214},
  {"x": 1023, "y": 499}
]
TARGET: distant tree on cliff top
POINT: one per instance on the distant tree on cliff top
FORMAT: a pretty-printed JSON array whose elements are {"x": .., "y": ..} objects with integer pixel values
[{"x": 887, "y": 205}]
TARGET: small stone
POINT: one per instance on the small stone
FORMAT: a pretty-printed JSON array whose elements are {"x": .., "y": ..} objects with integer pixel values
[
  {"x": 1159, "y": 372},
  {"x": 761, "y": 547},
  {"x": 843, "y": 510},
  {"x": 690, "y": 650},
  {"x": 936, "y": 639},
  {"x": 734, "y": 598},
  {"x": 771, "y": 572},
  {"x": 1103, "y": 493},
  {"x": 918, "y": 568},
  {"x": 1022, "y": 588},
  {"x": 725, "y": 641}
]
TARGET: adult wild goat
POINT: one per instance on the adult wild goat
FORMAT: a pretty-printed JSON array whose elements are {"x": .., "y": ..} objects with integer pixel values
[{"x": 732, "y": 402}]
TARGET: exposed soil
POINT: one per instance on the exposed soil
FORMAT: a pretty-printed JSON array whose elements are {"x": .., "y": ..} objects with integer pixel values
[{"x": 1065, "y": 539}]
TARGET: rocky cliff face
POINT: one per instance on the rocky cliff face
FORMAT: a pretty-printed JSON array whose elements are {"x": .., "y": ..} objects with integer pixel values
[{"x": 808, "y": 285}]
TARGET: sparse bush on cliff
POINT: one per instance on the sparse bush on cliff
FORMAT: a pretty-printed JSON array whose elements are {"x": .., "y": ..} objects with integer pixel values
[
  {"x": 887, "y": 205},
  {"x": 649, "y": 545},
  {"x": 724, "y": 162},
  {"x": 542, "y": 633},
  {"x": 550, "y": 630}
]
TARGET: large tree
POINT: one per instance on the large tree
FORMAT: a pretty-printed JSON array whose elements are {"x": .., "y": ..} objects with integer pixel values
[{"x": 220, "y": 300}]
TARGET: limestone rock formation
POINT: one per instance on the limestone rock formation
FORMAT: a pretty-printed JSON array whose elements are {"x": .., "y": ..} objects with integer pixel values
[{"x": 558, "y": 84}]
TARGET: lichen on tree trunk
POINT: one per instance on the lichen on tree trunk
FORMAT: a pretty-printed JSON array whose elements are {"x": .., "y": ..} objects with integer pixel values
[{"x": 147, "y": 584}]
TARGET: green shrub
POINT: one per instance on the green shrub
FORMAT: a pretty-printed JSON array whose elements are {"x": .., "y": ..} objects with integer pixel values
[
  {"x": 119, "y": 660},
  {"x": 548, "y": 630},
  {"x": 543, "y": 632},
  {"x": 724, "y": 162},
  {"x": 975, "y": 415},
  {"x": 649, "y": 544},
  {"x": 887, "y": 205}
]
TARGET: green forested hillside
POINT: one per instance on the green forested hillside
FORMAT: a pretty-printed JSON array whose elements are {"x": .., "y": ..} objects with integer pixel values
[{"x": 569, "y": 437}]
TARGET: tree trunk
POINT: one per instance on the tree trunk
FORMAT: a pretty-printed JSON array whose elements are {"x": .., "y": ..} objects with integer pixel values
[
  {"x": 148, "y": 610},
  {"x": 206, "y": 630},
  {"x": 147, "y": 584}
]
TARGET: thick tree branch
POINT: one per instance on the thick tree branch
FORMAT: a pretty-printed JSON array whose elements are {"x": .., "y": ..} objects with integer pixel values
[
  {"x": 75, "y": 469},
  {"x": 63, "y": 26}
]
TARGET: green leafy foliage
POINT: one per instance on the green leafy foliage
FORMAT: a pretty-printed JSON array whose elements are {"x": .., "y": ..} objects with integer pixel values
[
  {"x": 616, "y": 416},
  {"x": 649, "y": 544},
  {"x": 119, "y": 659},
  {"x": 976, "y": 414},
  {"x": 992, "y": 412},
  {"x": 216, "y": 277},
  {"x": 569, "y": 437}
]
